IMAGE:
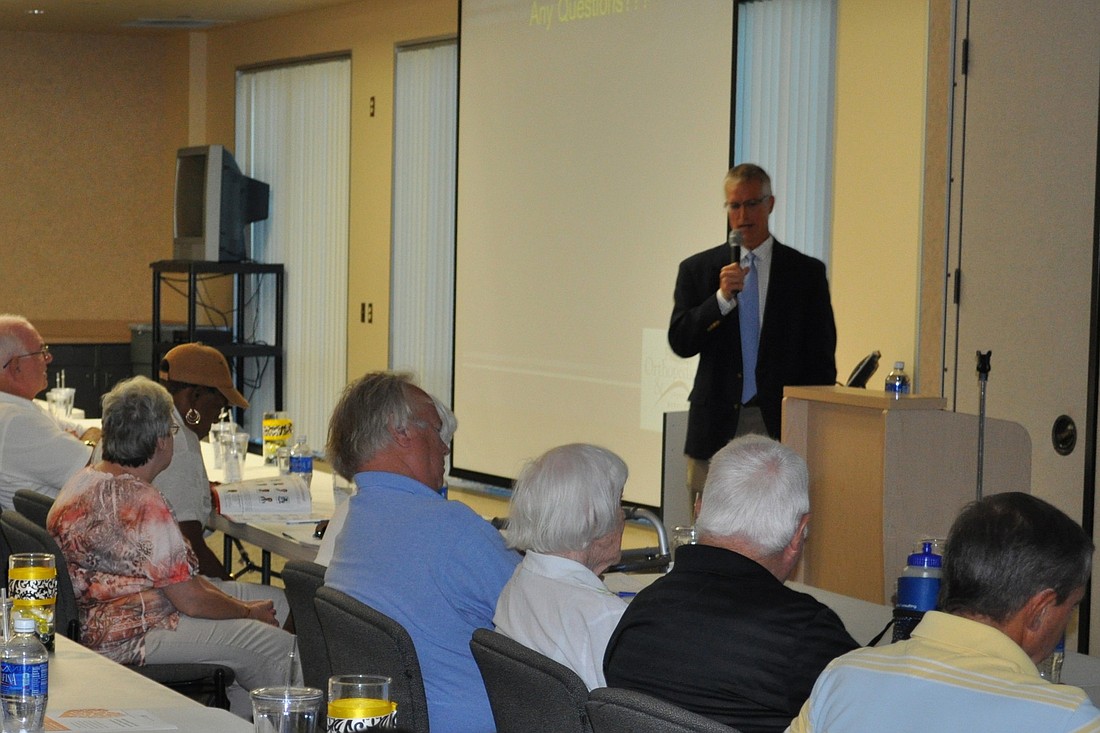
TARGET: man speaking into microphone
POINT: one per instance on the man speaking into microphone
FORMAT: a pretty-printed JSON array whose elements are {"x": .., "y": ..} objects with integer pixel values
[{"x": 759, "y": 316}]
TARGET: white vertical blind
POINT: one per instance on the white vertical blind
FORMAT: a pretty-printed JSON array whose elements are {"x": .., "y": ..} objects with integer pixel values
[
  {"x": 293, "y": 131},
  {"x": 424, "y": 149},
  {"x": 784, "y": 111}
]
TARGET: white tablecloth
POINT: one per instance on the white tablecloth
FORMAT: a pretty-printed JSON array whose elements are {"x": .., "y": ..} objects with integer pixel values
[{"x": 81, "y": 678}]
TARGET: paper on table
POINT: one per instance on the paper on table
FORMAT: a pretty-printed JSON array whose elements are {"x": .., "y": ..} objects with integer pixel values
[
  {"x": 273, "y": 496},
  {"x": 106, "y": 721}
]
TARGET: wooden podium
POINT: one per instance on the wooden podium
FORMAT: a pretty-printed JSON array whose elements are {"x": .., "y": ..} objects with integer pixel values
[{"x": 885, "y": 473}]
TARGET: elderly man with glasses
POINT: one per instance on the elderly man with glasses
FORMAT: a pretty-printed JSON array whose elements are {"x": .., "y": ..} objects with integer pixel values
[
  {"x": 432, "y": 565},
  {"x": 35, "y": 453}
]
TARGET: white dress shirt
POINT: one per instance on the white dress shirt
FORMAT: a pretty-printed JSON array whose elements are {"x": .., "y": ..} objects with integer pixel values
[
  {"x": 34, "y": 452},
  {"x": 562, "y": 610}
]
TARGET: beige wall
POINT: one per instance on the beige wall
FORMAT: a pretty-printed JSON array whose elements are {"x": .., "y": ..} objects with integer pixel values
[
  {"x": 90, "y": 125},
  {"x": 80, "y": 100},
  {"x": 370, "y": 32},
  {"x": 878, "y": 165}
]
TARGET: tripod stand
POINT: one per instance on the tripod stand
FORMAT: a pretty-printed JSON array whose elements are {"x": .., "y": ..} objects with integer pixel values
[{"x": 983, "y": 378}]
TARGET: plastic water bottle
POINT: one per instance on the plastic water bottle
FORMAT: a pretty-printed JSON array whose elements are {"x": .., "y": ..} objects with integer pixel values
[
  {"x": 918, "y": 590},
  {"x": 1050, "y": 669},
  {"x": 897, "y": 381},
  {"x": 24, "y": 680},
  {"x": 301, "y": 459}
]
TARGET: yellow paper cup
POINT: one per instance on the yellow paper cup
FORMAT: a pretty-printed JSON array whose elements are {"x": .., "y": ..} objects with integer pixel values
[
  {"x": 360, "y": 713},
  {"x": 357, "y": 702},
  {"x": 277, "y": 429},
  {"x": 32, "y": 587}
]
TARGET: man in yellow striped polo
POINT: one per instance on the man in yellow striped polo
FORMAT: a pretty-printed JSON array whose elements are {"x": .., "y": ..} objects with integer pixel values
[{"x": 1014, "y": 570}]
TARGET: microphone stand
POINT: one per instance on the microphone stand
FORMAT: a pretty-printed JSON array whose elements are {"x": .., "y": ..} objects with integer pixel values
[{"x": 983, "y": 378}]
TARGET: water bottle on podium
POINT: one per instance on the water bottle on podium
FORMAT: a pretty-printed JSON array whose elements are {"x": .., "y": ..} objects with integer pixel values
[
  {"x": 24, "y": 671},
  {"x": 918, "y": 590},
  {"x": 897, "y": 381}
]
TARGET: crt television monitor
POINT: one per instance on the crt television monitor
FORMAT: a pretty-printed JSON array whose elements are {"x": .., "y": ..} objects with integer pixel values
[{"x": 213, "y": 205}]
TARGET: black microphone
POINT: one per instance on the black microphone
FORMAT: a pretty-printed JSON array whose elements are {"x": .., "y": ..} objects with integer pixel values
[{"x": 736, "y": 239}]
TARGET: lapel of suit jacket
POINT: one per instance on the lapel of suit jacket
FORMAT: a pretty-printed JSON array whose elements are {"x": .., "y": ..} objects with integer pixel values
[
  {"x": 720, "y": 259},
  {"x": 774, "y": 300}
]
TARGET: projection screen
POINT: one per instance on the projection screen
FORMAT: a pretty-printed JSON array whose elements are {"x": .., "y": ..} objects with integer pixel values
[{"x": 593, "y": 137}]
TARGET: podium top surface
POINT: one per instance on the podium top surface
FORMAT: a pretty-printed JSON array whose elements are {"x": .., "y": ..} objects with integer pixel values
[{"x": 866, "y": 398}]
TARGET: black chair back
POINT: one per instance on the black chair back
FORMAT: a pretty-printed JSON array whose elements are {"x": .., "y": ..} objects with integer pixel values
[
  {"x": 527, "y": 690},
  {"x": 33, "y": 505},
  {"x": 23, "y": 535},
  {"x": 617, "y": 710},
  {"x": 361, "y": 640},
  {"x": 302, "y": 579},
  {"x": 5, "y": 553}
]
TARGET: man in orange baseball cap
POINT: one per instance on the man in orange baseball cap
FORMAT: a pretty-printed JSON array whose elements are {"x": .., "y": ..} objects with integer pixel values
[{"x": 198, "y": 378}]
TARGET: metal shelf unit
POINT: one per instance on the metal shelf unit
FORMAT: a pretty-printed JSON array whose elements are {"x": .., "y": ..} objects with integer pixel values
[{"x": 236, "y": 351}]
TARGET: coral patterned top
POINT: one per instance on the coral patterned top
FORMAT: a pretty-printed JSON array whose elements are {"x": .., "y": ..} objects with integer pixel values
[{"x": 122, "y": 546}]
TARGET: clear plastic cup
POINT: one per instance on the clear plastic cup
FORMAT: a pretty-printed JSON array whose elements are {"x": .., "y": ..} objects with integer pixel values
[
  {"x": 287, "y": 709},
  {"x": 236, "y": 448},
  {"x": 342, "y": 489},
  {"x": 60, "y": 400},
  {"x": 682, "y": 536},
  {"x": 282, "y": 460},
  {"x": 217, "y": 430}
]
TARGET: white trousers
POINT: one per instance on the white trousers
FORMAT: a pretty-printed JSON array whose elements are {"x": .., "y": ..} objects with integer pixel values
[{"x": 259, "y": 654}]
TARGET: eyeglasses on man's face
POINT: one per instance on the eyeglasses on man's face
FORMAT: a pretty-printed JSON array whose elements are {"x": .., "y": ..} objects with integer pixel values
[
  {"x": 749, "y": 205},
  {"x": 44, "y": 351}
]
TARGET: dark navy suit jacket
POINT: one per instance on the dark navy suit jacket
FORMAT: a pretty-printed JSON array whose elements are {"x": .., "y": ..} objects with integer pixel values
[{"x": 797, "y": 342}]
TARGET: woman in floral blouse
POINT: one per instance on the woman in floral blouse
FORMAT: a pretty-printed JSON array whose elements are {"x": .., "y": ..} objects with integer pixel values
[{"x": 136, "y": 579}]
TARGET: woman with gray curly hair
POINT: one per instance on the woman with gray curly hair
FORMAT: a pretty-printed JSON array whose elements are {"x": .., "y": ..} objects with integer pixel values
[
  {"x": 566, "y": 513},
  {"x": 140, "y": 597}
]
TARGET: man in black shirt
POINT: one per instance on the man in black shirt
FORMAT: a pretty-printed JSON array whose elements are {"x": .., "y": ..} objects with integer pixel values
[{"x": 721, "y": 635}]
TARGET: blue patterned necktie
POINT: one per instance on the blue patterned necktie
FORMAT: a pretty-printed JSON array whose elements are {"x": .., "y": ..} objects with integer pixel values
[{"x": 748, "y": 310}]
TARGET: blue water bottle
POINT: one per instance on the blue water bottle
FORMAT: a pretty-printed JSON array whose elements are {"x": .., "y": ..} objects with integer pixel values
[
  {"x": 897, "y": 381},
  {"x": 24, "y": 668},
  {"x": 918, "y": 590},
  {"x": 301, "y": 459}
]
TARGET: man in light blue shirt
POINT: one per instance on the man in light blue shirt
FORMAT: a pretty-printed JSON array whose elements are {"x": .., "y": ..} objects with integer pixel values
[{"x": 432, "y": 565}]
